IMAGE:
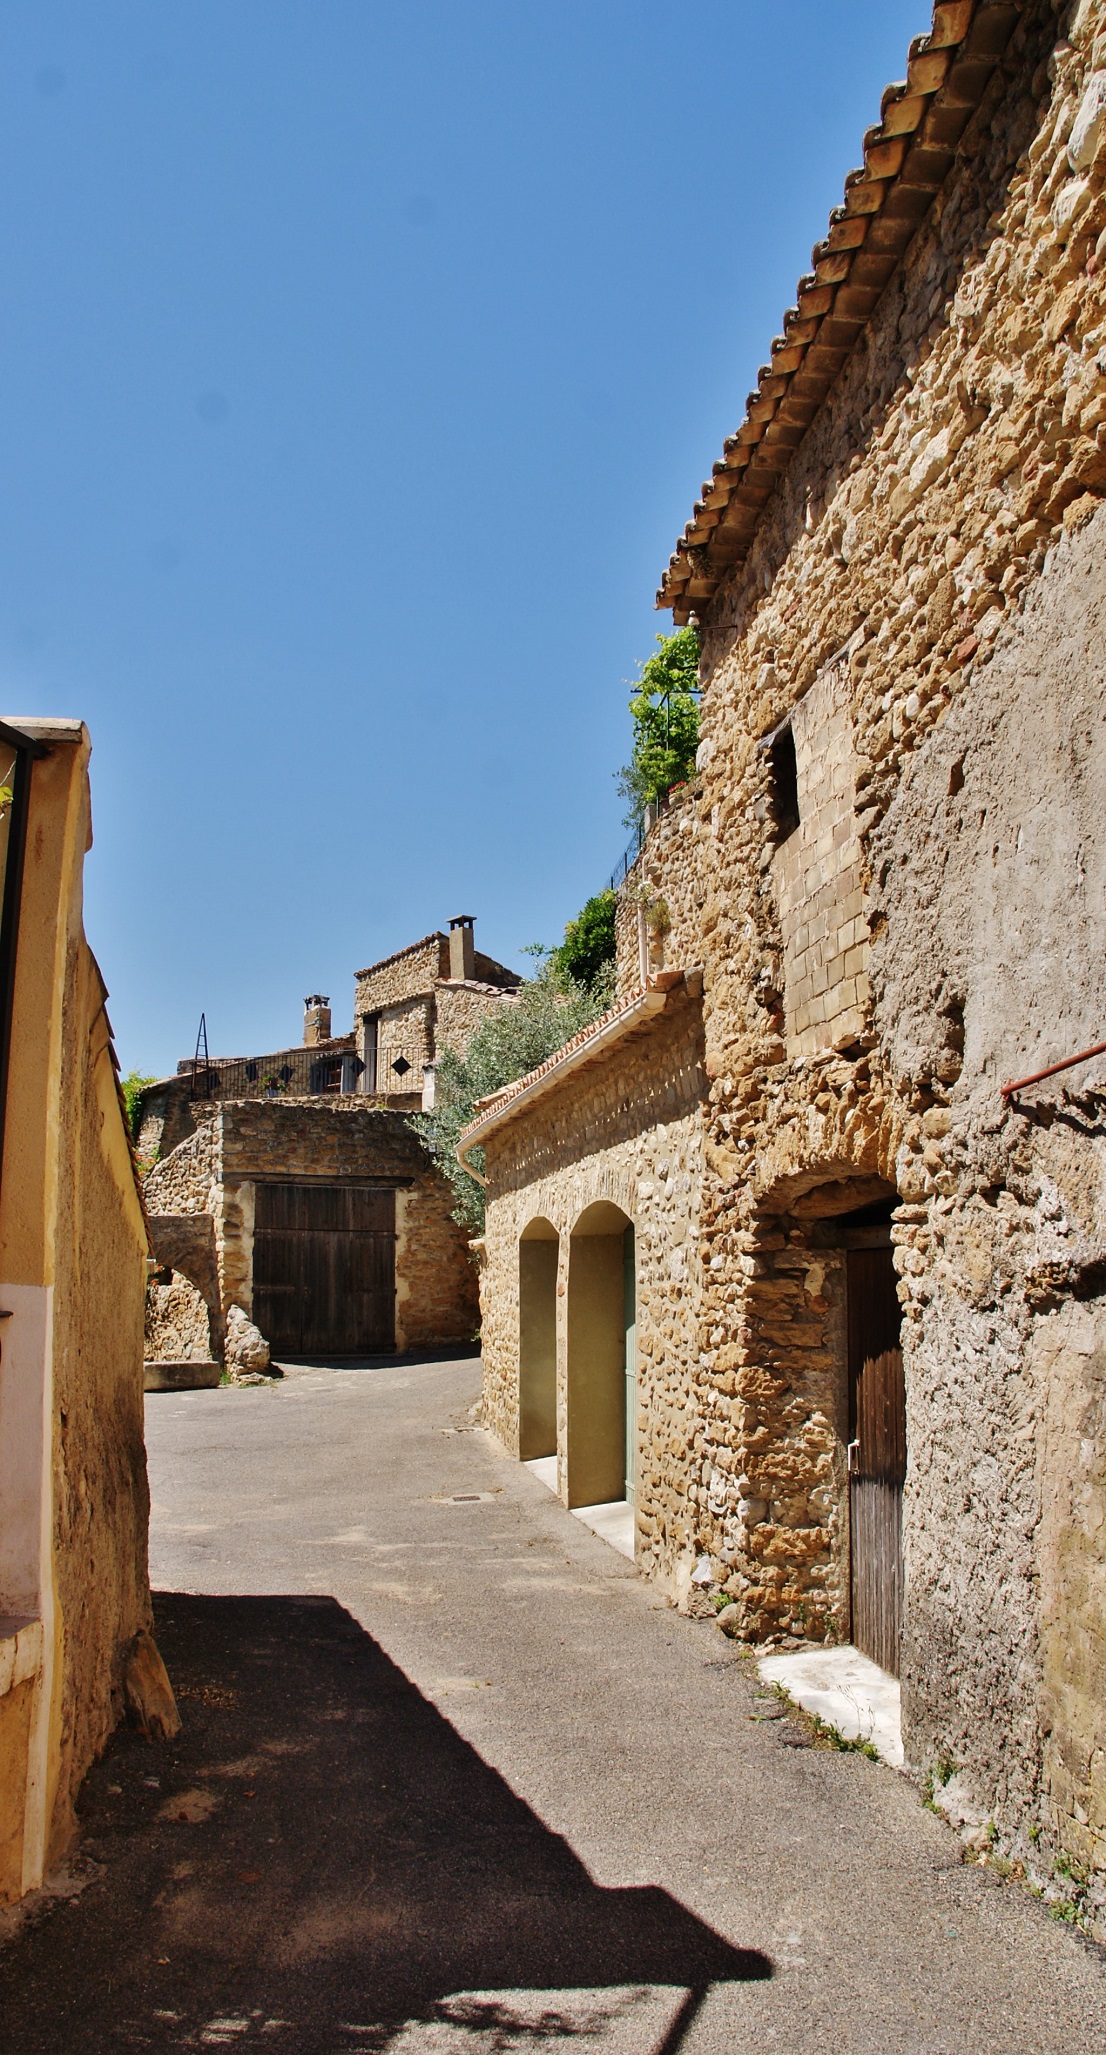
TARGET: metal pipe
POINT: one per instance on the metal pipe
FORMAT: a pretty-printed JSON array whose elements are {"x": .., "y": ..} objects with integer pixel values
[
  {"x": 1051, "y": 1069},
  {"x": 462, "y": 1158}
]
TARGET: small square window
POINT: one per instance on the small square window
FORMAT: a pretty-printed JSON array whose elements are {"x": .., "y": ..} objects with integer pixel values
[{"x": 783, "y": 782}]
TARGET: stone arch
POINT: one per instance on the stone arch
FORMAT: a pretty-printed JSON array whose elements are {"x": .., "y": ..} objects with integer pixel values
[
  {"x": 778, "y": 1497},
  {"x": 596, "y": 1440},
  {"x": 184, "y": 1245},
  {"x": 538, "y": 1259}
]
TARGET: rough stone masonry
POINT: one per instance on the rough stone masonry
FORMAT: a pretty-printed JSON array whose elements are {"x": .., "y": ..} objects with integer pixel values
[{"x": 891, "y": 872}]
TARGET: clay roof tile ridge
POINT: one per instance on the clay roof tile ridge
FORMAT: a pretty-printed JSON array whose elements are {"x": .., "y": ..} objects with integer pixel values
[{"x": 886, "y": 145}]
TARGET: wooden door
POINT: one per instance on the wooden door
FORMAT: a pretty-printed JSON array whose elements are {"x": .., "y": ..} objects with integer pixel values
[
  {"x": 324, "y": 1268},
  {"x": 877, "y": 1455}
]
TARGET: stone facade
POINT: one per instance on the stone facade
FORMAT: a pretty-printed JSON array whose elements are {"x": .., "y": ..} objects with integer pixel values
[
  {"x": 658, "y": 908},
  {"x": 892, "y": 874},
  {"x": 428, "y": 997},
  {"x": 326, "y": 1113},
  {"x": 625, "y": 1132},
  {"x": 211, "y": 1177}
]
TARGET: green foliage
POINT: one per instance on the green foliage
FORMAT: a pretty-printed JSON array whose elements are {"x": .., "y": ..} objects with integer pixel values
[
  {"x": 589, "y": 942},
  {"x": 548, "y": 1011},
  {"x": 665, "y": 711},
  {"x": 133, "y": 1086},
  {"x": 825, "y": 1731}
]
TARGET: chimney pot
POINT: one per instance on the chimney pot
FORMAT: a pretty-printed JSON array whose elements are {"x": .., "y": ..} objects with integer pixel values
[
  {"x": 316, "y": 1019},
  {"x": 462, "y": 946}
]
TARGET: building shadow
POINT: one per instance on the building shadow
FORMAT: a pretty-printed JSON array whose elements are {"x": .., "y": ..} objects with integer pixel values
[
  {"x": 320, "y": 1861},
  {"x": 406, "y": 1359}
]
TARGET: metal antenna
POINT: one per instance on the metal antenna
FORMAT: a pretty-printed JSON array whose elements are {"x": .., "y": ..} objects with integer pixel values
[{"x": 201, "y": 1043}]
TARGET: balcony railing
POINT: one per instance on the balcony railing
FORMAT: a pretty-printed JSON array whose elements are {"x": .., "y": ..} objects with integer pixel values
[{"x": 291, "y": 1073}]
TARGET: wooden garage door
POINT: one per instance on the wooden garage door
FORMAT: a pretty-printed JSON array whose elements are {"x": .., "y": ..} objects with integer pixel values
[{"x": 324, "y": 1266}]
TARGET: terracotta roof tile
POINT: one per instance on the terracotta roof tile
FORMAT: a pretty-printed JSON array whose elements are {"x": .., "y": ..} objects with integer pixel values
[{"x": 907, "y": 157}]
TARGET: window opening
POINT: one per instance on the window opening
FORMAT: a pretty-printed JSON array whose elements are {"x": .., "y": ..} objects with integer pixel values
[
  {"x": 371, "y": 1022},
  {"x": 783, "y": 773}
]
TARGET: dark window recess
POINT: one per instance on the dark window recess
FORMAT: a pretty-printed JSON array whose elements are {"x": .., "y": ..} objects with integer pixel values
[
  {"x": 783, "y": 776},
  {"x": 371, "y": 1021},
  {"x": 326, "y": 1076}
]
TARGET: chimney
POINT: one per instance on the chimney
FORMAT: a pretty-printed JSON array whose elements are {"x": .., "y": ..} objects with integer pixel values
[
  {"x": 462, "y": 946},
  {"x": 316, "y": 1020}
]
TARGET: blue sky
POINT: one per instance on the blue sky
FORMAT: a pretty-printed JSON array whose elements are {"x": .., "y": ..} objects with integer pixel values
[{"x": 358, "y": 367}]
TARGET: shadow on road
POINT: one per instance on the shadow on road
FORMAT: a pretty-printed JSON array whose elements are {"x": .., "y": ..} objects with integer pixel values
[
  {"x": 388, "y": 1359},
  {"x": 321, "y": 1859}
]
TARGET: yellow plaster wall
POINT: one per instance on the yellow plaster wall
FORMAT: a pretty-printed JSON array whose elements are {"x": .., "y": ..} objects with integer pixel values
[{"x": 72, "y": 1254}]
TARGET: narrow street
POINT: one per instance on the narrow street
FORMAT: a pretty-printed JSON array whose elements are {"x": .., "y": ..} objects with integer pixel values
[{"x": 451, "y": 1778}]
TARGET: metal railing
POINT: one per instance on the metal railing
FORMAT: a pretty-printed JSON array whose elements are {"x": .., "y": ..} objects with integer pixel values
[
  {"x": 627, "y": 859},
  {"x": 292, "y": 1073}
]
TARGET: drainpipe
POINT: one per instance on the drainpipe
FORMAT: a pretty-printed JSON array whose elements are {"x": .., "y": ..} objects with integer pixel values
[{"x": 462, "y": 1158}]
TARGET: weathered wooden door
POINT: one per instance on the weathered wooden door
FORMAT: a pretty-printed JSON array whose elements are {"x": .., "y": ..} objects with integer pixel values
[
  {"x": 324, "y": 1268},
  {"x": 877, "y": 1455}
]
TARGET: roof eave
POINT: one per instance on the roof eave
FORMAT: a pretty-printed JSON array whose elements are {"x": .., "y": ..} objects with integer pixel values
[
  {"x": 907, "y": 158},
  {"x": 623, "y": 1020}
]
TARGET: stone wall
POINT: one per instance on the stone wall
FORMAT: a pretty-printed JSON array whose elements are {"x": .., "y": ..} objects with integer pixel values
[
  {"x": 244, "y": 1142},
  {"x": 657, "y": 911},
  {"x": 626, "y": 1130},
  {"x": 421, "y": 1010},
  {"x": 924, "y": 604},
  {"x": 184, "y": 1181},
  {"x": 178, "y": 1323},
  {"x": 404, "y": 1033},
  {"x": 460, "y": 1006},
  {"x": 988, "y": 906},
  {"x": 184, "y": 1321},
  {"x": 819, "y": 881},
  {"x": 437, "y": 1287},
  {"x": 409, "y": 974},
  {"x": 165, "y": 1118},
  {"x": 935, "y": 543}
]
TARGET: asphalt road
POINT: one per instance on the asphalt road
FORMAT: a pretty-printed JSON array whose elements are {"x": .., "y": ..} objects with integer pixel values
[{"x": 452, "y": 1779}]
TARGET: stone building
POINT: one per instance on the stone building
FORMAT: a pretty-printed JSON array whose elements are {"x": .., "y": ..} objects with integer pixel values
[
  {"x": 324, "y": 1221},
  {"x": 292, "y": 1186},
  {"x": 73, "y": 1250},
  {"x": 407, "y": 1008},
  {"x": 868, "y": 1305},
  {"x": 426, "y": 998}
]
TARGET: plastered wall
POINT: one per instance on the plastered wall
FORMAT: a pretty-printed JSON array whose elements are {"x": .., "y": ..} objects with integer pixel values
[{"x": 73, "y": 1495}]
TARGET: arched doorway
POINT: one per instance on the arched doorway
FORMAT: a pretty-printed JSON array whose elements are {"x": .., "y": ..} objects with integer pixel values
[
  {"x": 538, "y": 1253},
  {"x": 601, "y": 1357},
  {"x": 818, "y": 1536},
  {"x": 857, "y": 1238}
]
